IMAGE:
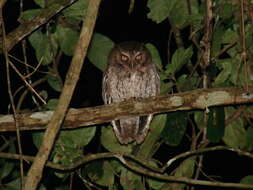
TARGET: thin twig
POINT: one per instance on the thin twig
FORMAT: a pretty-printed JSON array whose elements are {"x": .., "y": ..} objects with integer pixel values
[
  {"x": 29, "y": 66},
  {"x": 131, "y": 6},
  {"x": 7, "y": 61},
  {"x": 227, "y": 47},
  {"x": 7, "y": 144},
  {"x": 235, "y": 115},
  {"x": 34, "y": 70},
  {"x": 23, "y": 95},
  {"x": 27, "y": 83},
  {"x": 203, "y": 150},
  {"x": 243, "y": 44}
]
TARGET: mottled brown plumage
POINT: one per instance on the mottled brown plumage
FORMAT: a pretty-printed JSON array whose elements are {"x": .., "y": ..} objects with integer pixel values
[{"x": 130, "y": 73}]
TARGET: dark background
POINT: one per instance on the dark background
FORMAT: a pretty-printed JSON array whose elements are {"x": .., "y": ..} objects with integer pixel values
[{"x": 115, "y": 22}]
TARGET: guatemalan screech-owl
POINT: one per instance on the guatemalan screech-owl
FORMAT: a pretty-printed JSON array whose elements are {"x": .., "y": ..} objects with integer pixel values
[{"x": 130, "y": 73}]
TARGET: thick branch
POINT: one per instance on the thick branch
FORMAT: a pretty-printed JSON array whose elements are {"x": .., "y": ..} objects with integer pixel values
[
  {"x": 35, "y": 172},
  {"x": 196, "y": 99}
]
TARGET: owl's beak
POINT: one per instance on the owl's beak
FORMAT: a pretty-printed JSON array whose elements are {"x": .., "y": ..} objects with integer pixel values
[{"x": 132, "y": 65}]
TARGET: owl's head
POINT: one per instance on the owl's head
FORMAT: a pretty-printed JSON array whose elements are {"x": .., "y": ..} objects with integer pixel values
[{"x": 130, "y": 55}]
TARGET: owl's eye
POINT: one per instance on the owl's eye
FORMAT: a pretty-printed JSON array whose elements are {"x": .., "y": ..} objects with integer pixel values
[
  {"x": 138, "y": 57},
  {"x": 123, "y": 58}
]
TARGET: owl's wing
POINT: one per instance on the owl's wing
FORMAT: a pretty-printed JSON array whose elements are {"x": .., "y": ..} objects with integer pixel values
[
  {"x": 123, "y": 128},
  {"x": 106, "y": 90},
  {"x": 154, "y": 89},
  {"x": 144, "y": 122},
  {"x": 157, "y": 80}
]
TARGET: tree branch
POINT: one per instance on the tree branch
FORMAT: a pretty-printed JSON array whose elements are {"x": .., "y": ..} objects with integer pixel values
[
  {"x": 190, "y": 100},
  {"x": 27, "y": 28},
  {"x": 53, "y": 127},
  {"x": 203, "y": 150},
  {"x": 142, "y": 167}
]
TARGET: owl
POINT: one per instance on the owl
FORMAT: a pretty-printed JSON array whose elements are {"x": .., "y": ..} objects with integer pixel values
[{"x": 130, "y": 73}]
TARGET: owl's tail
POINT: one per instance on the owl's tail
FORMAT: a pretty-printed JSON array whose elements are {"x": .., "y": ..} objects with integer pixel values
[{"x": 128, "y": 128}]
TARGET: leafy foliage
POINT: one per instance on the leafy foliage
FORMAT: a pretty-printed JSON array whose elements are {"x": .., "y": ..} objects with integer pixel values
[
  {"x": 99, "y": 50},
  {"x": 230, "y": 64},
  {"x": 179, "y": 59},
  {"x": 216, "y": 125},
  {"x": 175, "y": 128}
]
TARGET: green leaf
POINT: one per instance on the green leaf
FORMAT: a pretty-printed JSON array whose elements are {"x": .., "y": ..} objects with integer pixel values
[
  {"x": 236, "y": 71},
  {"x": 216, "y": 124},
  {"x": 100, "y": 172},
  {"x": 76, "y": 10},
  {"x": 6, "y": 166},
  {"x": 155, "y": 183},
  {"x": 186, "y": 169},
  {"x": 165, "y": 87},
  {"x": 62, "y": 187},
  {"x": 227, "y": 70},
  {"x": 155, "y": 55},
  {"x": 45, "y": 51},
  {"x": 249, "y": 38},
  {"x": 247, "y": 180},
  {"x": 227, "y": 10},
  {"x": 54, "y": 82},
  {"x": 179, "y": 59},
  {"x": 175, "y": 128},
  {"x": 249, "y": 137},
  {"x": 217, "y": 40},
  {"x": 37, "y": 138},
  {"x": 196, "y": 20},
  {"x": 233, "y": 52},
  {"x": 115, "y": 186},
  {"x": 99, "y": 49},
  {"x": 67, "y": 39},
  {"x": 29, "y": 14},
  {"x": 130, "y": 180},
  {"x": 116, "y": 165},
  {"x": 160, "y": 9},
  {"x": 68, "y": 147},
  {"x": 41, "y": 3},
  {"x": 179, "y": 20},
  {"x": 146, "y": 149},
  {"x": 186, "y": 83},
  {"x": 235, "y": 134},
  {"x": 51, "y": 104},
  {"x": 15, "y": 185},
  {"x": 43, "y": 94},
  {"x": 199, "y": 118},
  {"x": 94, "y": 170},
  {"x": 109, "y": 141},
  {"x": 108, "y": 175},
  {"x": 78, "y": 137},
  {"x": 229, "y": 36}
]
